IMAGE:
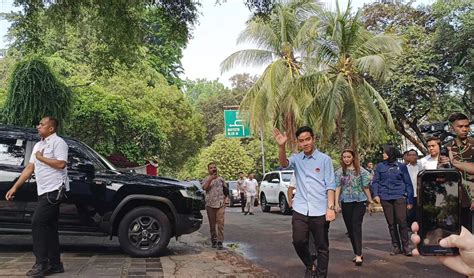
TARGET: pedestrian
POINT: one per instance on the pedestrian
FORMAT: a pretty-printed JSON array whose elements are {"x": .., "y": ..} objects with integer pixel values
[
  {"x": 240, "y": 188},
  {"x": 430, "y": 162},
  {"x": 48, "y": 162},
  {"x": 216, "y": 198},
  {"x": 352, "y": 191},
  {"x": 462, "y": 152},
  {"x": 313, "y": 204},
  {"x": 250, "y": 186},
  {"x": 405, "y": 158},
  {"x": 393, "y": 189},
  {"x": 370, "y": 169},
  {"x": 414, "y": 167}
]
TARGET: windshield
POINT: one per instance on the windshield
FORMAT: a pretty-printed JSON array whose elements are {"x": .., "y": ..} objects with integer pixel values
[
  {"x": 286, "y": 176},
  {"x": 232, "y": 185},
  {"x": 102, "y": 159}
]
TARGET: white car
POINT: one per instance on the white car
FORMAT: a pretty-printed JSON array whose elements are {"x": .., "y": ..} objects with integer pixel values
[{"x": 274, "y": 191}]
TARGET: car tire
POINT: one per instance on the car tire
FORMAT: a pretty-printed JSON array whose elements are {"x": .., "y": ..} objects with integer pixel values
[
  {"x": 263, "y": 203},
  {"x": 144, "y": 232},
  {"x": 231, "y": 203},
  {"x": 283, "y": 204}
]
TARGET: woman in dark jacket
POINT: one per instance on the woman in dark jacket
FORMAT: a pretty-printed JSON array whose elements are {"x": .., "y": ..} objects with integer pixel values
[{"x": 393, "y": 189}]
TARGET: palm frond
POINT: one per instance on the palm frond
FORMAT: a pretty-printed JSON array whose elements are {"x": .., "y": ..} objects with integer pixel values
[{"x": 247, "y": 57}]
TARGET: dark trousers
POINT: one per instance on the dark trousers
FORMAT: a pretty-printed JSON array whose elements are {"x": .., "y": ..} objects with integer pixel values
[
  {"x": 319, "y": 227},
  {"x": 243, "y": 201},
  {"x": 45, "y": 230},
  {"x": 396, "y": 215},
  {"x": 353, "y": 214},
  {"x": 412, "y": 213}
]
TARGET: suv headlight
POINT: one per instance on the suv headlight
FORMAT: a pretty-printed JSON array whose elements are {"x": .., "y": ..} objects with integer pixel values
[{"x": 190, "y": 193}]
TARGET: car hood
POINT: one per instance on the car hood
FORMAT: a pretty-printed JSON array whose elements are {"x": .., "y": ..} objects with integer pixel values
[{"x": 140, "y": 179}]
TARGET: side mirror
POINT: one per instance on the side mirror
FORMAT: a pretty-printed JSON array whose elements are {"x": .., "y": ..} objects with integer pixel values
[
  {"x": 275, "y": 180},
  {"x": 84, "y": 167}
]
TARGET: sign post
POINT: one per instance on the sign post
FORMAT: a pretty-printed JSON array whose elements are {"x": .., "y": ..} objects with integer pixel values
[{"x": 235, "y": 127}]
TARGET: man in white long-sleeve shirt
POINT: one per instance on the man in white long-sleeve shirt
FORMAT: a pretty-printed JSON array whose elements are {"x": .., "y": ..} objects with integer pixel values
[
  {"x": 250, "y": 186},
  {"x": 430, "y": 162}
]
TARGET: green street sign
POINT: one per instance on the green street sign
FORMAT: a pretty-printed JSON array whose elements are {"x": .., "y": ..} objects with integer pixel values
[{"x": 235, "y": 127}]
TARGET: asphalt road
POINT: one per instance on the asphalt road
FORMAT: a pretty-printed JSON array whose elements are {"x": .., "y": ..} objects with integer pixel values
[{"x": 265, "y": 238}]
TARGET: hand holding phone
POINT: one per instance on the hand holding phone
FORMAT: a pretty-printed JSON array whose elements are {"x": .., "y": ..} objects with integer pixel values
[{"x": 439, "y": 210}]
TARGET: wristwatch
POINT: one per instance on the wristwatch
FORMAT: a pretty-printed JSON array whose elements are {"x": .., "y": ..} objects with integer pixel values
[{"x": 331, "y": 207}]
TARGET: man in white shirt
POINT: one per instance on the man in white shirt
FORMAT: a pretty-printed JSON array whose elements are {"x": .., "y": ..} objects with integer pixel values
[
  {"x": 250, "y": 186},
  {"x": 413, "y": 168},
  {"x": 48, "y": 161},
  {"x": 430, "y": 162}
]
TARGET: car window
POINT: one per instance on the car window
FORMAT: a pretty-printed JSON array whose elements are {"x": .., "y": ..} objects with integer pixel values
[
  {"x": 12, "y": 151},
  {"x": 286, "y": 176},
  {"x": 267, "y": 177},
  {"x": 75, "y": 157},
  {"x": 232, "y": 185},
  {"x": 274, "y": 176}
]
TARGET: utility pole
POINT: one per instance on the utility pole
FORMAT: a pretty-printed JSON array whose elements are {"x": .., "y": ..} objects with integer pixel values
[{"x": 263, "y": 152}]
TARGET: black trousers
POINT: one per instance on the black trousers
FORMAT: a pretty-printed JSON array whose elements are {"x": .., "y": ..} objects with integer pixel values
[
  {"x": 353, "y": 214},
  {"x": 45, "y": 229},
  {"x": 243, "y": 201},
  {"x": 396, "y": 215},
  {"x": 319, "y": 227}
]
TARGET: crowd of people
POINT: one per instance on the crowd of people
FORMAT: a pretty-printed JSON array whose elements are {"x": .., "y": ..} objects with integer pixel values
[{"x": 352, "y": 190}]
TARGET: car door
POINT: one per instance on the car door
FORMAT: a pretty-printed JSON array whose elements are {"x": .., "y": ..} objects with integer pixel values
[
  {"x": 273, "y": 182},
  {"x": 12, "y": 163},
  {"x": 78, "y": 209}
]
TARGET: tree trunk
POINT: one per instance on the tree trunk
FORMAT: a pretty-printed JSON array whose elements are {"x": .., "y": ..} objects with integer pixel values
[{"x": 410, "y": 138}]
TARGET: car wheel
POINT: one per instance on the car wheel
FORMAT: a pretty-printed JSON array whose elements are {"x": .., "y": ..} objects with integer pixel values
[
  {"x": 263, "y": 203},
  {"x": 231, "y": 203},
  {"x": 284, "y": 208},
  {"x": 144, "y": 232}
]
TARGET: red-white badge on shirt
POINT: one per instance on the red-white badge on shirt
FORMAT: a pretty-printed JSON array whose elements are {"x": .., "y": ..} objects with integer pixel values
[{"x": 317, "y": 170}]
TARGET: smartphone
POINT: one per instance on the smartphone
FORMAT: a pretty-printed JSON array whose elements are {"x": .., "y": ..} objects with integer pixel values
[{"x": 438, "y": 210}]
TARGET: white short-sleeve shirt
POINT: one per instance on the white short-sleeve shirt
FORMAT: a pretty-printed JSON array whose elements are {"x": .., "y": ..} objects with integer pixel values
[{"x": 48, "y": 178}]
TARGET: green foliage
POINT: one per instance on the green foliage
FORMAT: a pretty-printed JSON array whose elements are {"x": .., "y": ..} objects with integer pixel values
[
  {"x": 34, "y": 92},
  {"x": 105, "y": 33},
  {"x": 229, "y": 155},
  {"x": 109, "y": 124}
]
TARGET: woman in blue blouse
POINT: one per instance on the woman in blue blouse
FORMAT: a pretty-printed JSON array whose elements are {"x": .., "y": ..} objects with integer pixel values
[
  {"x": 392, "y": 188},
  {"x": 353, "y": 193}
]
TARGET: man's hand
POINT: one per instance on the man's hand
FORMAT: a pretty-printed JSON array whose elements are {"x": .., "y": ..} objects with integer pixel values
[
  {"x": 10, "y": 194},
  {"x": 409, "y": 206},
  {"x": 472, "y": 206},
  {"x": 227, "y": 200},
  {"x": 39, "y": 155},
  {"x": 280, "y": 138},
  {"x": 337, "y": 208},
  {"x": 290, "y": 203},
  {"x": 377, "y": 199},
  {"x": 330, "y": 215}
]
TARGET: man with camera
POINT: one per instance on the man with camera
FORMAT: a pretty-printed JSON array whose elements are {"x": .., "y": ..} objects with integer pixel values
[
  {"x": 462, "y": 158},
  {"x": 216, "y": 198},
  {"x": 48, "y": 161}
]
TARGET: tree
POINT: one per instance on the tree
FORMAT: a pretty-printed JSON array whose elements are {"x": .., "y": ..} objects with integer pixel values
[
  {"x": 229, "y": 155},
  {"x": 415, "y": 93},
  {"x": 454, "y": 22},
  {"x": 321, "y": 72},
  {"x": 279, "y": 38},
  {"x": 104, "y": 33},
  {"x": 34, "y": 92}
]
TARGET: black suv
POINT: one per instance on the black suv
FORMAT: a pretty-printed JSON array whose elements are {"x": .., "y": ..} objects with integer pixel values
[{"x": 143, "y": 211}]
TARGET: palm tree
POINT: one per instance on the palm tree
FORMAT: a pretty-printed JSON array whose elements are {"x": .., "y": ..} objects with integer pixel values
[
  {"x": 320, "y": 67},
  {"x": 345, "y": 59},
  {"x": 280, "y": 38}
]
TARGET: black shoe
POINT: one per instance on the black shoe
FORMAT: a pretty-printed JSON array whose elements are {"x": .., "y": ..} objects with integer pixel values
[
  {"x": 38, "y": 270},
  {"x": 408, "y": 253},
  {"x": 251, "y": 213},
  {"x": 220, "y": 246},
  {"x": 214, "y": 244},
  {"x": 309, "y": 272},
  {"x": 245, "y": 213},
  {"x": 395, "y": 251},
  {"x": 56, "y": 268}
]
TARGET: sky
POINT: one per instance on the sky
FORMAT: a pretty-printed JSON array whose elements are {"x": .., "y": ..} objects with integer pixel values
[{"x": 214, "y": 37}]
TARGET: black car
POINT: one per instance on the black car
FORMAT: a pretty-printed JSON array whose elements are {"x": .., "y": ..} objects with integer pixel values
[
  {"x": 234, "y": 194},
  {"x": 143, "y": 211}
]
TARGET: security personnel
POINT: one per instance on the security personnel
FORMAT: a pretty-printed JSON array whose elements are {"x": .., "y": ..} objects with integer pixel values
[{"x": 48, "y": 161}]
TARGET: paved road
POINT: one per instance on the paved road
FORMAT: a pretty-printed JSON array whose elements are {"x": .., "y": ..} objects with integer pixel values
[{"x": 265, "y": 238}]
